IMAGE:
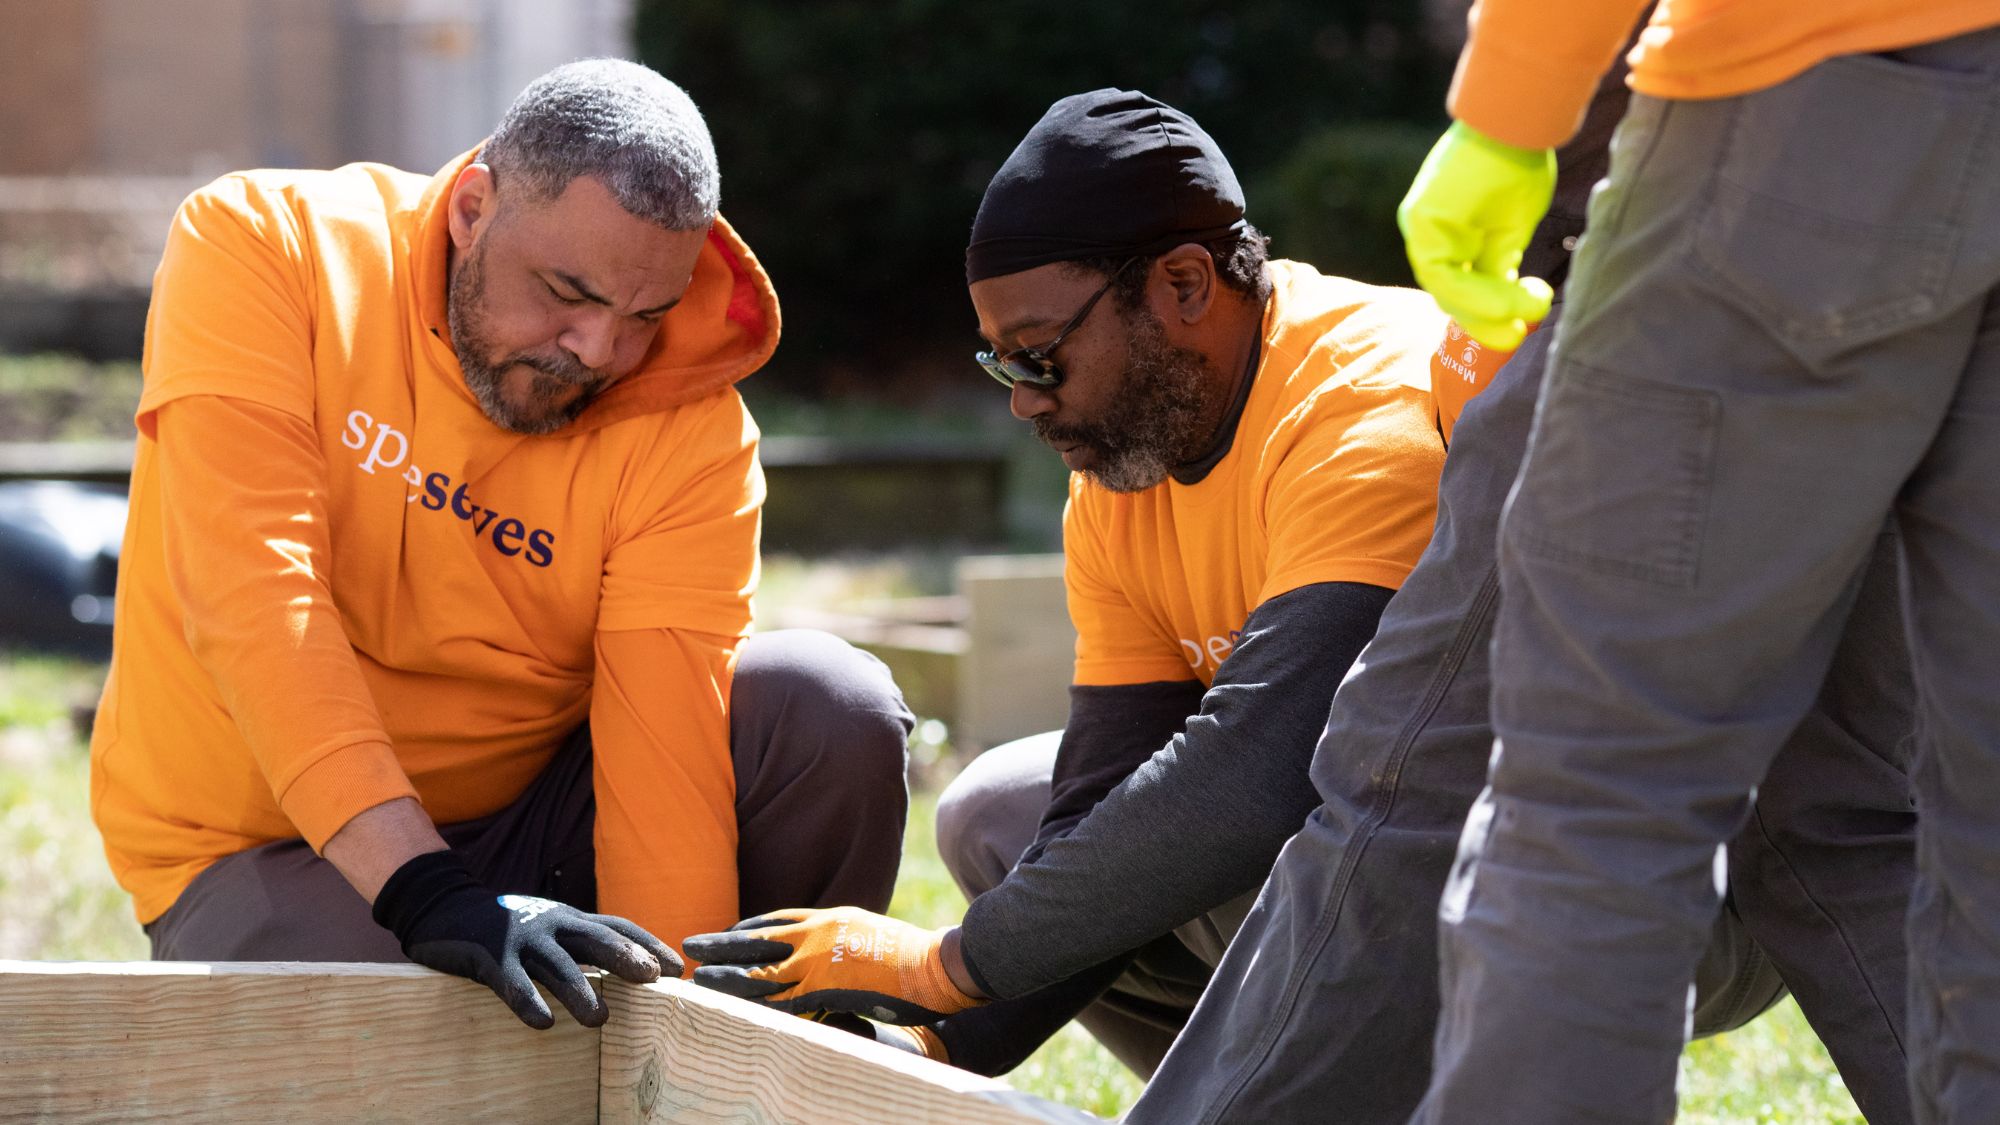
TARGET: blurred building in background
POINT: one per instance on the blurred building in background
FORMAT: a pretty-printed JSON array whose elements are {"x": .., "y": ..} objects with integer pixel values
[{"x": 112, "y": 110}]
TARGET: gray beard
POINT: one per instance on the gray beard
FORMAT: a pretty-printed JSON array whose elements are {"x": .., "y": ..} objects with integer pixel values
[
  {"x": 1167, "y": 406},
  {"x": 543, "y": 413}
]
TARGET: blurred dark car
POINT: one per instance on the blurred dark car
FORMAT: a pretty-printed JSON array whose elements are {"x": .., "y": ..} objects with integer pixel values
[{"x": 59, "y": 564}]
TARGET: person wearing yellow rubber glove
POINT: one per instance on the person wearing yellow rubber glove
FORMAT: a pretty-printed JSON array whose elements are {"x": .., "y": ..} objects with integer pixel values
[
  {"x": 1468, "y": 217},
  {"x": 842, "y": 959},
  {"x": 1778, "y": 339}
]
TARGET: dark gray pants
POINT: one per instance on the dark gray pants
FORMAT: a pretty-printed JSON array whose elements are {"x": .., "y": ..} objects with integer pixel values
[
  {"x": 1783, "y": 330},
  {"x": 817, "y": 731},
  {"x": 1327, "y": 1003},
  {"x": 988, "y": 816}
]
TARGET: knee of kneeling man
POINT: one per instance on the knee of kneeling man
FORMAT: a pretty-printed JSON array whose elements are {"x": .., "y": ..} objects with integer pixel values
[
  {"x": 989, "y": 812},
  {"x": 958, "y": 811},
  {"x": 805, "y": 670},
  {"x": 825, "y": 692}
]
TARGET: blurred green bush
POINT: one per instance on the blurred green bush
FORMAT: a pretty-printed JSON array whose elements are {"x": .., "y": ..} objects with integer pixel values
[
  {"x": 1332, "y": 200},
  {"x": 856, "y": 138}
]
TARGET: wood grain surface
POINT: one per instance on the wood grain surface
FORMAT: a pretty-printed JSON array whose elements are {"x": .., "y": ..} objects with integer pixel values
[
  {"x": 279, "y": 1042},
  {"x": 674, "y": 1052},
  {"x": 322, "y": 1042}
]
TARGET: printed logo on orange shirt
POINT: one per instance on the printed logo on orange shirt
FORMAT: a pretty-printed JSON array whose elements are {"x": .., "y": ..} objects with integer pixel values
[
  {"x": 1211, "y": 652},
  {"x": 510, "y": 536}
]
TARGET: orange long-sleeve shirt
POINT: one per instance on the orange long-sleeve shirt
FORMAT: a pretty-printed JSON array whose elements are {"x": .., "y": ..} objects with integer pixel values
[
  {"x": 341, "y": 584},
  {"x": 1530, "y": 66}
]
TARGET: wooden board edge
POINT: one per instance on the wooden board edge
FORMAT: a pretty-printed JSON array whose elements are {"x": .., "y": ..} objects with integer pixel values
[{"x": 659, "y": 1051}]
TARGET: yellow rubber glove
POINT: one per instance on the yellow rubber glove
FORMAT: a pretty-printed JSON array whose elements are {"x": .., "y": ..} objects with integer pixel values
[
  {"x": 1468, "y": 216},
  {"x": 843, "y": 959}
]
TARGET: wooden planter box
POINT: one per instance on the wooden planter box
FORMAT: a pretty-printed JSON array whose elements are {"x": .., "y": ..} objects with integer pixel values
[{"x": 308, "y": 1042}]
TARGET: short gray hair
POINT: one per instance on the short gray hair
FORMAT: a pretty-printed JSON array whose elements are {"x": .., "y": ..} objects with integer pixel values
[{"x": 619, "y": 123}]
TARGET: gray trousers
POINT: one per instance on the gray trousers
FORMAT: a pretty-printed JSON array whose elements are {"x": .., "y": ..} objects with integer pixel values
[
  {"x": 1782, "y": 331},
  {"x": 817, "y": 732},
  {"x": 1327, "y": 1003},
  {"x": 988, "y": 816}
]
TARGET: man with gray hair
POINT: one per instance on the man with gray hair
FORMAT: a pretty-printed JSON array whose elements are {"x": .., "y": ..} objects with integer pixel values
[{"x": 433, "y": 629}]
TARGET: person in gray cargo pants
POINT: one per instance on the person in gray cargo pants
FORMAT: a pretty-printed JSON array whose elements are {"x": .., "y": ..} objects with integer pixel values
[
  {"x": 1684, "y": 550},
  {"x": 1327, "y": 1002}
]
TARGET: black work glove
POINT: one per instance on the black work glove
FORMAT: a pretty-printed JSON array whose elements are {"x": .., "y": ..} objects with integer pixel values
[{"x": 448, "y": 921}]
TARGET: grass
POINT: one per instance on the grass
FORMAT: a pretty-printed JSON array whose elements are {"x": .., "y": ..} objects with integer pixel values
[
  {"x": 57, "y": 899},
  {"x": 58, "y": 902},
  {"x": 1772, "y": 1072}
]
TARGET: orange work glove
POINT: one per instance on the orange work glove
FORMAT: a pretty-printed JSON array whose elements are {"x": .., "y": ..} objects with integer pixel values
[
  {"x": 1460, "y": 369},
  {"x": 842, "y": 959}
]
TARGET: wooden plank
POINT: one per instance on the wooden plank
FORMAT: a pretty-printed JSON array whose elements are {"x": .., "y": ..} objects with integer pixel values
[
  {"x": 320, "y": 1042},
  {"x": 823, "y": 495},
  {"x": 280, "y": 1042},
  {"x": 923, "y": 654},
  {"x": 879, "y": 629},
  {"x": 112, "y": 458},
  {"x": 1020, "y": 651},
  {"x": 100, "y": 461},
  {"x": 674, "y": 1052}
]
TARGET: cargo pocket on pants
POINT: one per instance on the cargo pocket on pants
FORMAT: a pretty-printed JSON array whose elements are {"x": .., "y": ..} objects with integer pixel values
[
  {"x": 1617, "y": 481},
  {"x": 1833, "y": 214}
]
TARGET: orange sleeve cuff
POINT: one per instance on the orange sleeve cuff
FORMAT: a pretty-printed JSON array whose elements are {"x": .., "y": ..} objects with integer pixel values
[
  {"x": 1529, "y": 69},
  {"x": 340, "y": 786},
  {"x": 697, "y": 900}
]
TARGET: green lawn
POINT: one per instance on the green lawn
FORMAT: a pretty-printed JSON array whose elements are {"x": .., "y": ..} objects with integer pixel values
[{"x": 57, "y": 901}]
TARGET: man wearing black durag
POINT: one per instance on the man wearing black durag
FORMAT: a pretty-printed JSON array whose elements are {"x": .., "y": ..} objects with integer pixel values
[{"x": 1255, "y": 461}]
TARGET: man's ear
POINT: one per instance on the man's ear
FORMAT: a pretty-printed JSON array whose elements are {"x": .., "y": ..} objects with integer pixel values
[
  {"x": 1190, "y": 271},
  {"x": 473, "y": 204}
]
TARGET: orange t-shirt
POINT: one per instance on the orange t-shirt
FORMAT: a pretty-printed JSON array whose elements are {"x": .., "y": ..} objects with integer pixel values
[
  {"x": 1530, "y": 66},
  {"x": 341, "y": 584},
  {"x": 1332, "y": 477}
]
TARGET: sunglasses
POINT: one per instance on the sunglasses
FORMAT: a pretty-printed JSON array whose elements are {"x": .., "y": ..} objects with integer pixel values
[{"x": 1036, "y": 366}]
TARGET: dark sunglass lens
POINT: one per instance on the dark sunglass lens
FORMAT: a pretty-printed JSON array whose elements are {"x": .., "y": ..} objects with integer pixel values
[
  {"x": 1023, "y": 370},
  {"x": 1020, "y": 367},
  {"x": 1027, "y": 367}
]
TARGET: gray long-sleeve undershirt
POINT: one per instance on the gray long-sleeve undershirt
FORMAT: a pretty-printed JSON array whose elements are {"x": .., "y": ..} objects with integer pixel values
[{"x": 1197, "y": 823}]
